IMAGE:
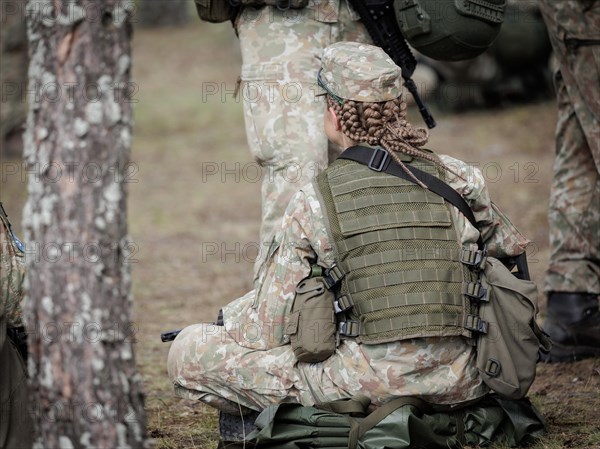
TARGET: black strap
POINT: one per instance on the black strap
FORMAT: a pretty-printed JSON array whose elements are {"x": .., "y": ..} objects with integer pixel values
[
  {"x": 378, "y": 159},
  {"x": 3, "y": 213}
]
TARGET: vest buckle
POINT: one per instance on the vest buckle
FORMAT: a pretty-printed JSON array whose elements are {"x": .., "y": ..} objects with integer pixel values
[
  {"x": 474, "y": 258},
  {"x": 476, "y": 324},
  {"x": 379, "y": 159},
  {"x": 477, "y": 291},
  {"x": 333, "y": 275},
  {"x": 342, "y": 304},
  {"x": 349, "y": 328}
]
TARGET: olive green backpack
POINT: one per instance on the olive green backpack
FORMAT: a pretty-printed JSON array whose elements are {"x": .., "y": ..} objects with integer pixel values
[{"x": 403, "y": 423}]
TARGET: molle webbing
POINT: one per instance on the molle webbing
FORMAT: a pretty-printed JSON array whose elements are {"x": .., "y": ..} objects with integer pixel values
[{"x": 397, "y": 246}]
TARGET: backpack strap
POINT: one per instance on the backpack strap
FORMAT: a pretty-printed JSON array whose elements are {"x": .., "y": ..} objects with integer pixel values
[
  {"x": 378, "y": 159},
  {"x": 359, "y": 428},
  {"x": 370, "y": 421},
  {"x": 356, "y": 405}
]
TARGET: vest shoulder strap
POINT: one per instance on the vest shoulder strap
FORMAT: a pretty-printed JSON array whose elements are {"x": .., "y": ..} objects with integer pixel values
[{"x": 378, "y": 159}]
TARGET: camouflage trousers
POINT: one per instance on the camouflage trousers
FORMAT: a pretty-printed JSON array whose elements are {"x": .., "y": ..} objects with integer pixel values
[
  {"x": 284, "y": 118},
  {"x": 574, "y": 213},
  {"x": 211, "y": 364}
]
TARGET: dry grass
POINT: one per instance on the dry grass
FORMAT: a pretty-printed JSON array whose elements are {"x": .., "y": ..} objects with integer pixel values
[{"x": 176, "y": 215}]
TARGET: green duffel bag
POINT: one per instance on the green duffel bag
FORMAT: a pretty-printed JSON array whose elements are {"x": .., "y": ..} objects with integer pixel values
[{"x": 399, "y": 424}]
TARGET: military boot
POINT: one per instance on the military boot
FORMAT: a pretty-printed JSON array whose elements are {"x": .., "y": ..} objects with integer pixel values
[{"x": 573, "y": 323}]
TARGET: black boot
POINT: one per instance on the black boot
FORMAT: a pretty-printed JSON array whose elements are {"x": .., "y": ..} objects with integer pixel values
[
  {"x": 234, "y": 429},
  {"x": 573, "y": 323}
]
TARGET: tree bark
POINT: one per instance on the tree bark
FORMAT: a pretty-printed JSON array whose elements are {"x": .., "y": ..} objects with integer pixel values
[
  {"x": 13, "y": 77},
  {"x": 85, "y": 388},
  {"x": 159, "y": 13}
]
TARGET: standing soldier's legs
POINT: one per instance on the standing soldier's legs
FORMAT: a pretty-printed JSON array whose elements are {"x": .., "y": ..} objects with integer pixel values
[
  {"x": 284, "y": 119},
  {"x": 574, "y": 207},
  {"x": 573, "y": 276}
]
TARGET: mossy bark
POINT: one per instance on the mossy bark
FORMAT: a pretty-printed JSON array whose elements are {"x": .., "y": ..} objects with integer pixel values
[{"x": 86, "y": 391}]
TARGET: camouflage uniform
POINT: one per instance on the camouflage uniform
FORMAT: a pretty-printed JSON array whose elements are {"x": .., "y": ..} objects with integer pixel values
[
  {"x": 574, "y": 213},
  {"x": 280, "y": 54},
  {"x": 15, "y": 422},
  {"x": 249, "y": 361}
]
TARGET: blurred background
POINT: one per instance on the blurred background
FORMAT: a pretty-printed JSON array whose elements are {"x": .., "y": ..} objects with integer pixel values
[{"x": 194, "y": 191}]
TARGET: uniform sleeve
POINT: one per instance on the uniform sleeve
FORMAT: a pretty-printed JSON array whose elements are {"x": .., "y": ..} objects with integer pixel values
[
  {"x": 501, "y": 237},
  {"x": 301, "y": 241}
]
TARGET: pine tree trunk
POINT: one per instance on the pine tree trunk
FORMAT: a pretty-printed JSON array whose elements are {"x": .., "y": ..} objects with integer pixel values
[
  {"x": 85, "y": 388},
  {"x": 157, "y": 13},
  {"x": 13, "y": 77}
]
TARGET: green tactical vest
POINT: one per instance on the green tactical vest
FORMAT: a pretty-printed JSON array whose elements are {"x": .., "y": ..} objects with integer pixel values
[{"x": 398, "y": 258}]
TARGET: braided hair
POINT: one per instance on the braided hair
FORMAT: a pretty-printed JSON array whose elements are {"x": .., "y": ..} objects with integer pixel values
[{"x": 384, "y": 123}]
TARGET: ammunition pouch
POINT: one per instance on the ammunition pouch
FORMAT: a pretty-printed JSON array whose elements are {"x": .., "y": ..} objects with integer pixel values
[{"x": 312, "y": 326}]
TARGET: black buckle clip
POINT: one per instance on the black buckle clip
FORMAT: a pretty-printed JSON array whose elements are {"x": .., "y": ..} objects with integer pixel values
[
  {"x": 492, "y": 367},
  {"x": 377, "y": 164}
]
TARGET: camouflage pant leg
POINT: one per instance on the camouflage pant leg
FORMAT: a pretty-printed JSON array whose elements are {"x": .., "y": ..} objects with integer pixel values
[
  {"x": 284, "y": 119},
  {"x": 206, "y": 363},
  {"x": 211, "y": 366},
  {"x": 574, "y": 213}
]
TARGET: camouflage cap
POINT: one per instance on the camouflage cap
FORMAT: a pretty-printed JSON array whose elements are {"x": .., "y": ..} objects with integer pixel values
[{"x": 360, "y": 72}]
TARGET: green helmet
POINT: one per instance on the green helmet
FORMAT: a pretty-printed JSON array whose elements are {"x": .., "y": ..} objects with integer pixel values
[{"x": 450, "y": 30}]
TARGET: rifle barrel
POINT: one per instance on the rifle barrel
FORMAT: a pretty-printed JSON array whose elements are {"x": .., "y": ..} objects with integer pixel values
[{"x": 169, "y": 335}]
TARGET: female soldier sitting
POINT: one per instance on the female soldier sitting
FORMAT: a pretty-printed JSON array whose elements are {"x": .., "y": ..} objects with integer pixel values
[{"x": 399, "y": 245}]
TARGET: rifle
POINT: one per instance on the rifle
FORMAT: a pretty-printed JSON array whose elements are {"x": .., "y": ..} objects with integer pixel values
[
  {"x": 380, "y": 20},
  {"x": 171, "y": 335}
]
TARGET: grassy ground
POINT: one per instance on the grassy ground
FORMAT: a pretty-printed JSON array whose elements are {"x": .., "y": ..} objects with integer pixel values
[{"x": 195, "y": 231}]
